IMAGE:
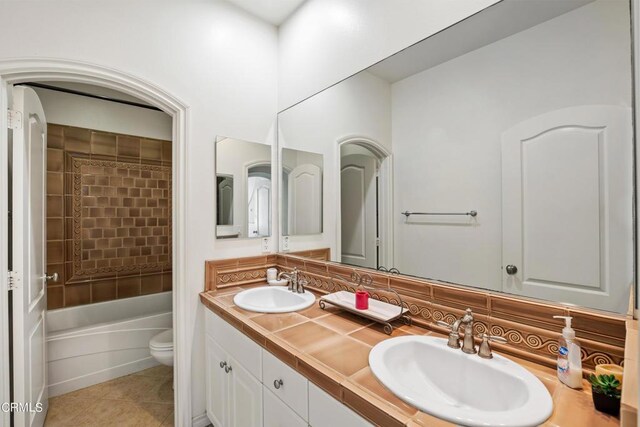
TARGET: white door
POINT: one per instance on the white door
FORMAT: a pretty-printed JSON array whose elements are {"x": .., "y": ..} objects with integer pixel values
[
  {"x": 305, "y": 200},
  {"x": 245, "y": 393},
  {"x": 29, "y": 297},
  {"x": 225, "y": 200},
  {"x": 217, "y": 384},
  {"x": 259, "y": 206},
  {"x": 566, "y": 206},
  {"x": 358, "y": 206}
]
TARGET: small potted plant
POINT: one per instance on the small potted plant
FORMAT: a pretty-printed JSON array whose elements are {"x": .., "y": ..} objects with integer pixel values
[{"x": 605, "y": 390}]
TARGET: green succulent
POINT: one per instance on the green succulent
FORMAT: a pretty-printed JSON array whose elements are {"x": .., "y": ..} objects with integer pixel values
[{"x": 605, "y": 384}]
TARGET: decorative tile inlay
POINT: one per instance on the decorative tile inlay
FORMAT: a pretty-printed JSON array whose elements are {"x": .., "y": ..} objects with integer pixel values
[
  {"x": 68, "y": 253},
  {"x": 121, "y": 217}
]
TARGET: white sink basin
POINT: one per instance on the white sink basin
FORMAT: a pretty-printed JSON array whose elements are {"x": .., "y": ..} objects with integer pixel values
[
  {"x": 461, "y": 388},
  {"x": 273, "y": 299}
]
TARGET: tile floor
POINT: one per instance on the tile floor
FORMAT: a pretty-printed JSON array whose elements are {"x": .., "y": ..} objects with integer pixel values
[{"x": 142, "y": 399}]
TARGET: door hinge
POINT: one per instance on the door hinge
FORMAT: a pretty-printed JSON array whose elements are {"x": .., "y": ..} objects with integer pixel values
[
  {"x": 377, "y": 241},
  {"x": 13, "y": 280},
  {"x": 14, "y": 119}
]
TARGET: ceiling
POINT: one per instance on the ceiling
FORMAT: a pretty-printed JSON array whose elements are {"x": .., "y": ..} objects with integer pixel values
[
  {"x": 494, "y": 23},
  {"x": 272, "y": 11}
]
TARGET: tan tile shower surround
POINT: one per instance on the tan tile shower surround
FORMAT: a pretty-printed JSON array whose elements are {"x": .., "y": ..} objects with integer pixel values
[
  {"x": 524, "y": 323},
  {"x": 108, "y": 215}
]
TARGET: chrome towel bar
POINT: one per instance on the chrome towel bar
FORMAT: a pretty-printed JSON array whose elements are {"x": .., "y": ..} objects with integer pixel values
[{"x": 470, "y": 213}]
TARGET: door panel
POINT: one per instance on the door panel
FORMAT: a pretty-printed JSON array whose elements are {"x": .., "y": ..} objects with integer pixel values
[
  {"x": 245, "y": 393},
  {"x": 28, "y": 249},
  {"x": 259, "y": 206},
  {"x": 217, "y": 380},
  {"x": 225, "y": 201},
  {"x": 358, "y": 210},
  {"x": 566, "y": 200},
  {"x": 305, "y": 200}
]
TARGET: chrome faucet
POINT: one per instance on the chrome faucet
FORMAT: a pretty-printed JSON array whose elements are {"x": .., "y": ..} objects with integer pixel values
[
  {"x": 468, "y": 345},
  {"x": 295, "y": 284}
]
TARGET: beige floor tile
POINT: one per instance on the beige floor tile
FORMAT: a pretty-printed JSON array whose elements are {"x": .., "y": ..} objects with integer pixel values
[
  {"x": 123, "y": 413},
  {"x": 141, "y": 399},
  {"x": 132, "y": 387},
  {"x": 161, "y": 392},
  {"x": 63, "y": 409},
  {"x": 157, "y": 371},
  {"x": 169, "y": 421}
]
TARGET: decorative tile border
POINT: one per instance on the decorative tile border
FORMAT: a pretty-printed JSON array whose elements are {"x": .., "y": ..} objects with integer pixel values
[
  {"x": 84, "y": 169},
  {"x": 528, "y": 325}
]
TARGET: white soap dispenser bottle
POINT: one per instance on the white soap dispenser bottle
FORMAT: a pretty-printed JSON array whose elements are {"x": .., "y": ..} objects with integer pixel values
[{"x": 569, "y": 356}]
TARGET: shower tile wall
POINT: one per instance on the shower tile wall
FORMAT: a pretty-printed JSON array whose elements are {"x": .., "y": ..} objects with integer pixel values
[{"x": 108, "y": 216}]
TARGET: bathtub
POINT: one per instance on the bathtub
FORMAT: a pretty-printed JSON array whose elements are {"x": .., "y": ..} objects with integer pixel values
[{"x": 90, "y": 344}]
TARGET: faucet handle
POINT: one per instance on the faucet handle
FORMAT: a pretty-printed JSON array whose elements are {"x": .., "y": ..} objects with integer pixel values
[
  {"x": 484, "y": 350},
  {"x": 444, "y": 324},
  {"x": 454, "y": 338}
]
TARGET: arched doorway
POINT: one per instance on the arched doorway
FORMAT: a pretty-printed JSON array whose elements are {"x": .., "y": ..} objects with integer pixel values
[
  {"x": 32, "y": 70},
  {"x": 364, "y": 226}
]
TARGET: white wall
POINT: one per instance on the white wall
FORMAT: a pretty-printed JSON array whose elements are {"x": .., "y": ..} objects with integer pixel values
[
  {"x": 217, "y": 59},
  {"x": 448, "y": 120},
  {"x": 89, "y": 113},
  {"x": 325, "y": 41},
  {"x": 360, "y": 106},
  {"x": 233, "y": 158}
]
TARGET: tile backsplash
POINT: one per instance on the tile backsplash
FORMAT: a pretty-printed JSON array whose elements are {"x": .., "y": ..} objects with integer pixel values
[
  {"x": 528, "y": 325},
  {"x": 108, "y": 216}
]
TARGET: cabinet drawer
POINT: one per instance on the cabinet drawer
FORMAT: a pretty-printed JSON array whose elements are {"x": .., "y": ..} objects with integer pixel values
[
  {"x": 239, "y": 346},
  {"x": 293, "y": 391},
  {"x": 325, "y": 411},
  {"x": 277, "y": 414}
]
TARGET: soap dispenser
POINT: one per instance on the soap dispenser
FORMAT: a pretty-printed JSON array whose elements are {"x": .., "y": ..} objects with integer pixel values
[{"x": 569, "y": 356}]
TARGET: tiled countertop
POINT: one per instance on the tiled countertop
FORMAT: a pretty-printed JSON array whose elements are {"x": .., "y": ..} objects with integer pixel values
[{"x": 331, "y": 348}]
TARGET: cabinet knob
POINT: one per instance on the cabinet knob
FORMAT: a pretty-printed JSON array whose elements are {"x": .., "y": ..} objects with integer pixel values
[
  {"x": 223, "y": 364},
  {"x": 278, "y": 383},
  {"x": 511, "y": 269},
  {"x": 228, "y": 369}
]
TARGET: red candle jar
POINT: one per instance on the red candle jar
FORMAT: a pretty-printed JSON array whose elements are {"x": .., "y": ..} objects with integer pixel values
[{"x": 362, "y": 300}]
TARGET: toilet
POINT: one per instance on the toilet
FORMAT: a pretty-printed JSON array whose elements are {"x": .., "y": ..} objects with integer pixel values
[{"x": 161, "y": 347}]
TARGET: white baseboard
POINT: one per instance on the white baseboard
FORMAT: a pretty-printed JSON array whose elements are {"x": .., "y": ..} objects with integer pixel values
[
  {"x": 101, "y": 376},
  {"x": 200, "y": 421}
]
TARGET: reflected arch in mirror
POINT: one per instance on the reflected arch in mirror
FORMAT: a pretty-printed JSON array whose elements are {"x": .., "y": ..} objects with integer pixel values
[{"x": 364, "y": 231}]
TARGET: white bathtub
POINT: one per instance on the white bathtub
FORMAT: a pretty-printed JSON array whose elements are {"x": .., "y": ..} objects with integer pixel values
[{"x": 90, "y": 344}]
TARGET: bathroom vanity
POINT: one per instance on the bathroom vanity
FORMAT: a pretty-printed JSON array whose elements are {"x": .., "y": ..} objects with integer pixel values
[{"x": 311, "y": 367}]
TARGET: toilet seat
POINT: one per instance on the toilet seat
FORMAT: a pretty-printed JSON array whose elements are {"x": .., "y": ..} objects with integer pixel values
[{"x": 162, "y": 341}]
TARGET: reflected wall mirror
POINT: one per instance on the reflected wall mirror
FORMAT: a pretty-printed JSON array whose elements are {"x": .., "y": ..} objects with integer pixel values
[
  {"x": 488, "y": 155},
  {"x": 243, "y": 189},
  {"x": 301, "y": 192}
]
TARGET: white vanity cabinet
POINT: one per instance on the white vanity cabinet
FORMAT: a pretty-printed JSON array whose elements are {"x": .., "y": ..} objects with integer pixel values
[
  {"x": 234, "y": 371},
  {"x": 249, "y": 387},
  {"x": 234, "y": 396}
]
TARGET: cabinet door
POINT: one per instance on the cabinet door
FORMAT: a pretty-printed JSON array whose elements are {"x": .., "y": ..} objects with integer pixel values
[
  {"x": 292, "y": 389},
  {"x": 217, "y": 384},
  {"x": 245, "y": 397},
  {"x": 277, "y": 414},
  {"x": 325, "y": 411}
]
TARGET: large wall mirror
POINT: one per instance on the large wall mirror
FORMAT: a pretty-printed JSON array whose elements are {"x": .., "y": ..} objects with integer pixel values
[
  {"x": 496, "y": 154},
  {"x": 243, "y": 189}
]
